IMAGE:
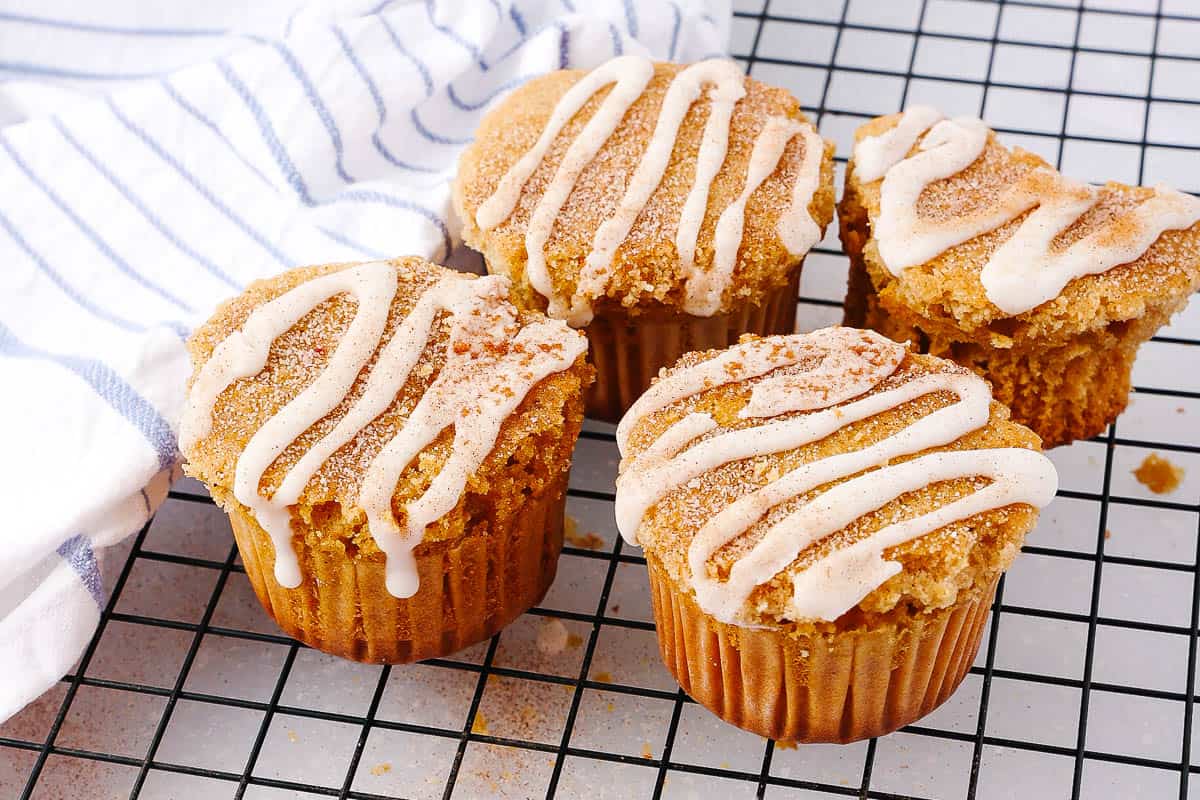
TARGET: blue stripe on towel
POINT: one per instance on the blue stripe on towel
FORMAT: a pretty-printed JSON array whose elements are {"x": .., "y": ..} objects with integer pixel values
[
  {"x": 275, "y": 145},
  {"x": 631, "y": 20},
  {"x": 314, "y": 99},
  {"x": 203, "y": 119},
  {"x": 150, "y": 216},
  {"x": 87, "y": 230},
  {"x": 675, "y": 29},
  {"x": 454, "y": 36},
  {"x": 64, "y": 286},
  {"x": 77, "y": 551},
  {"x": 200, "y": 188},
  {"x": 422, "y": 69},
  {"x": 475, "y": 105},
  {"x": 110, "y": 387},
  {"x": 436, "y": 138},
  {"x": 282, "y": 159},
  {"x": 124, "y": 30},
  {"x": 380, "y": 107},
  {"x": 48, "y": 71},
  {"x": 517, "y": 20}
]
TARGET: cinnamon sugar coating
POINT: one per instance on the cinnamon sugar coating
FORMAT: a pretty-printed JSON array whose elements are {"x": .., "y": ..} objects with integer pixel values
[
  {"x": 646, "y": 269},
  {"x": 946, "y": 291},
  {"x": 1063, "y": 367},
  {"x": 531, "y": 452},
  {"x": 951, "y": 565}
]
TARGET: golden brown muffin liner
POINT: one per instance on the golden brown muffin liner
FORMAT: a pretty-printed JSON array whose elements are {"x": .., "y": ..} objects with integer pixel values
[
  {"x": 1063, "y": 391},
  {"x": 470, "y": 588},
  {"x": 629, "y": 350},
  {"x": 824, "y": 688}
]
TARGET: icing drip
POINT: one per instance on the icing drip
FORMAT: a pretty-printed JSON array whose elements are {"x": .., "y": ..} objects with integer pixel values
[
  {"x": 905, "y": 239},
  {"x": 631, "y": 74},
  {"x": 682, "y": 93},
  {"x": 835, "y": 582},
  {"x": 875, "y": 155},
  {"x": 466, "y": 396},
  {"x": 797, "y": 229},
  {"x": 491, "y": 364},
  {"x": 846, "y": 348},
  {"x": 705, "y": 287},
  {"x": 1024, "y": 271}
]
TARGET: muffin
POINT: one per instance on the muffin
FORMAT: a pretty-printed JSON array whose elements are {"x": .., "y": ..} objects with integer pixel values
[
  {"x": 825, "y": 518},
  {"x": 391, "y": 441},
  {"x": 985, "y": 255},
  {"x": 663, "y": 208}
]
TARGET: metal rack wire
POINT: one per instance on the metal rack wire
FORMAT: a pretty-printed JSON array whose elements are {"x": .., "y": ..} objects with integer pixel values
[{"x": 754, "y": 20}]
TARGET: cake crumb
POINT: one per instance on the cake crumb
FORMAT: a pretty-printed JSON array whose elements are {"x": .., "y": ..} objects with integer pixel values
[
  {"x": 1158, "y": 474},
  {"x": 603, "y": 677},
  {"x": 552, "y": 637},
  {"x": 292, "y": 737},
  {"x": 574, "y": 640},
  {"x": 479, "y": 724},
  {"x": 588, "y": 540},
  {"x": 381, "y": 769},
  {"x": 1107, "y": 533},
  {"x": 647, "y": 751}
]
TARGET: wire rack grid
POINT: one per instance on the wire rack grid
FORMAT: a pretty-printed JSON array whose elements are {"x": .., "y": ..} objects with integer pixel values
[{"x": 1085, "y": 685}]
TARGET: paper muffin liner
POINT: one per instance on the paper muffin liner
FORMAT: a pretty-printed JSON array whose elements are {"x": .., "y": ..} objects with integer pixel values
[
  {"x": 629, "y": 350},
  {"x": 828, "y": 688},
  {"x": 470, "y": 587},
  {"x": 1064, "y": 391}
]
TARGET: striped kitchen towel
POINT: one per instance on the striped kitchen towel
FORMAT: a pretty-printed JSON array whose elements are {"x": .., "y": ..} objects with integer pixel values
[{"x": 154, "y": 159}]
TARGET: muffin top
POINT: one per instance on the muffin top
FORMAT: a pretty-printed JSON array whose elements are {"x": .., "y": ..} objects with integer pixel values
[
  {"x": 644, "y": 184},
  {"x": 984, "y": 236},
  {"x": 816, "y": 479},
  {"x": 382, "y": 391}
]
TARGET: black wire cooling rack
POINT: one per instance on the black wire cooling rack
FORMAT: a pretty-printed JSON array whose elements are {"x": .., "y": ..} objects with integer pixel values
[{"x": 1119, "y": 618}]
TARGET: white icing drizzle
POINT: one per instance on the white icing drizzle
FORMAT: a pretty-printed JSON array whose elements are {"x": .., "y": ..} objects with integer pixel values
[
  {"x": 705, "y": 287},
  {"x": 630, "y": 74},
  {"x": 875, "y": 155},
  {"x": 839, "y": 580},
  {"x": 491, "y": 364},
  {"x": 797, "y": 229},
  {"x": 681, "y": 94},
  {"x": 847, "y": 348},
  {"x": 905, "y": 239},
  {"x": 1023, "y": 272},
  {"x": 714, "y": 145}
]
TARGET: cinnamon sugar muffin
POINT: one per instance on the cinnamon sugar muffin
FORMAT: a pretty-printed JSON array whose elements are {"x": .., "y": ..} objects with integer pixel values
[
  {"x": 824, "y": 518},
  {"x": 986, "y": 255},
  {"x": 391, "y": 441},
  {"x": 661, "y": 207}
]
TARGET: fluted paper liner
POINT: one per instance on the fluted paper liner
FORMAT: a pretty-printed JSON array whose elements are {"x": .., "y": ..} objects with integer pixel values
[
  {"x": 470, "y": 588},
  {"x": 629, "y": 350},
  {"x": 838, "y": 688}
]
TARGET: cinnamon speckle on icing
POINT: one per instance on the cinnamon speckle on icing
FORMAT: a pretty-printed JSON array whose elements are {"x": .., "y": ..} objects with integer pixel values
[
  {"x": 335, "y": 386},
  {"x": 628, "y": 209},
  {"x": 803, "y": 511},
  {"x": 1058, "y": 230}
]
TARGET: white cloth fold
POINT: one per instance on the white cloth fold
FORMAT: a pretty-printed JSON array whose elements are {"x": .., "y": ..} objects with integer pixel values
[{"x": 154, "y": 159}]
